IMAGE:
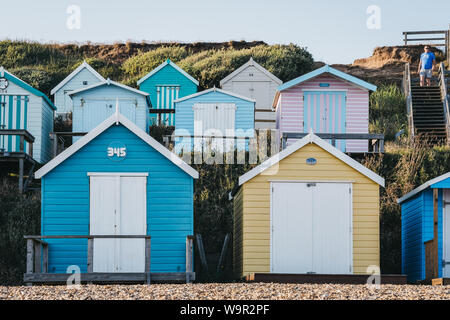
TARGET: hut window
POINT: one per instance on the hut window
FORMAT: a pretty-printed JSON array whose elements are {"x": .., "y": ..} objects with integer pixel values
[{"x": 85, "y": 83}]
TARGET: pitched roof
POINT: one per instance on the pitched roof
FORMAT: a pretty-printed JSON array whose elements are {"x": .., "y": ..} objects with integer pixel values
[
  {"x": 108, "y": 82},
  {"x": 116, "y": 118},
  {"x": 253, "y": 63},
  {"x": 162, "y": 65},
  {"x": 214, "y": 90},
  {"x": 74, "y": 73},
  {"x": 422, "y": 187},
  {"x": 26, "y": 86},
  {"x": 311, "y": 138},
  {"x": 327, "y": 69}
]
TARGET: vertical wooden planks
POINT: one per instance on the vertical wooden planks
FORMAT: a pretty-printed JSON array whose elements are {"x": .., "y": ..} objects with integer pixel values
[
  {"x": 435, "y": 234},
  {"x": 148, "y": 245},
  {"x": 90, "y": 261},
  {"x": 189, "y": 269}
]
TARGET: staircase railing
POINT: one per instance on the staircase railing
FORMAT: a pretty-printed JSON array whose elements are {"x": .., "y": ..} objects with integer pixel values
[
  {"x": 408, "y": 95},
  {"x": 445, "y": 98}
]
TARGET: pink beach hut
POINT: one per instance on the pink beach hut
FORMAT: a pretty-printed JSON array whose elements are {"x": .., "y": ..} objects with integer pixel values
[{"x": 325, "y": 100}]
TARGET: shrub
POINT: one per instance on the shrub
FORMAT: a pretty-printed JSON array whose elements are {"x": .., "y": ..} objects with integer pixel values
[
  {"x": 387, "y": 111},
  {"x": 19, "y": 216}
]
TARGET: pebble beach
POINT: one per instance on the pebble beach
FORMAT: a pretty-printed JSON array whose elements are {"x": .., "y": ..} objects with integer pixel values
[{"x": 227, "y": 291}]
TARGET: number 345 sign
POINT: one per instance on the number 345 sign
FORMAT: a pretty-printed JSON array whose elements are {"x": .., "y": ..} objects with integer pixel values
[{"x": 116, "y": 151}]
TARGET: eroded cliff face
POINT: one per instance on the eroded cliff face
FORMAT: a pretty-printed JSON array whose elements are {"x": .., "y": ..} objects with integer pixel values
[{"x": 386, "y": 65}]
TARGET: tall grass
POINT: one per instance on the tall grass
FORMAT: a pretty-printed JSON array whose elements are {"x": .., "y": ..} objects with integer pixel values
[
  {"x": 387, "y": 112},
  {"x": 19, "y": 216}
]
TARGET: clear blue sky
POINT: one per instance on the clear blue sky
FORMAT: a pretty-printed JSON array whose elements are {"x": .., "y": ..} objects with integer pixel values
[{"x": 334, "y": 31}]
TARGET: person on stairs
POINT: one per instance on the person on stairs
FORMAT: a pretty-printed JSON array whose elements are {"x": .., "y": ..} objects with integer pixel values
[{"x": 426, "y": 66}]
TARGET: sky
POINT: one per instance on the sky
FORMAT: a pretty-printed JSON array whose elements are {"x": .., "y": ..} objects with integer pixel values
[{"x": 333, "y": 31}]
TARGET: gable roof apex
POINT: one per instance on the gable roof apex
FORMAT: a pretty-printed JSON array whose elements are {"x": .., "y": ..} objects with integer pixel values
[
  {"x": 311, "y": 138},
  {"x": 214, "y": 89},
  {"x": 108, "y": 82},
  {"x": 5, "y": 74},
  {"x": 422, "y": 187},
  {"x": 74, "y": 73},
  {"x": 162, "y": 65},
  {"x": 253, "y": 63},
  {"x": 115, "y": 119},
  {"x": 328, "y": 69}
]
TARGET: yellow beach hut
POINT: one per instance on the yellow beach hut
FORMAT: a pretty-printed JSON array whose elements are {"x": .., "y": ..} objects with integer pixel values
[{"x": 310, "y": 209}]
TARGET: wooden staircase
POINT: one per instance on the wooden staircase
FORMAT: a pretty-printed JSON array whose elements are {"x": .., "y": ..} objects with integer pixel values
[
  {"x": 428, "y": 107},
  {"x": 428, "y": 113}
]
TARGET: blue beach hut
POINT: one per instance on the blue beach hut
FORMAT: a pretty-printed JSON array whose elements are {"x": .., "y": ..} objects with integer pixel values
[
  {"x": 165, "y": 84},
  {"x": 95, "y": 103},
  {"x": 426, "y": 230},
  {"x": 117, "y": 180},
  {"x": 213, "y": 112}
]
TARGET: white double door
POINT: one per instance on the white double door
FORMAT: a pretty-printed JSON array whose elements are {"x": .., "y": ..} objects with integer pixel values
[
  {"x": 311, "y": 228},
  {"x": 446, "y": 235},
  {"x": 118, "y": 207}
]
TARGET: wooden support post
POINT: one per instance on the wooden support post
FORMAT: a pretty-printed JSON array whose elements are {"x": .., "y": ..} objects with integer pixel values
[
  {"x": 90, "y": 261},
  {"x": 45, "y": 258},
  {"x": 189, "y": 268},
  {"x": 435, "y": 234},
  {"x": 223, "y": 252},
  {"x": 54, "y": 138},
  {"x": 201, "y": 252},
  {"x": 148, "y": 245},
  {"x": 30, "y": 257},
  {"x": 30, "y": 149},
  {"x": 21, "y": 167},
  {"x": 37, "y": 257}
]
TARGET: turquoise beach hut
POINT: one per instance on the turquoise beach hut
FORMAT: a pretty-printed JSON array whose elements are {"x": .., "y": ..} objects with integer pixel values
[{"x": 165, "y": 84}]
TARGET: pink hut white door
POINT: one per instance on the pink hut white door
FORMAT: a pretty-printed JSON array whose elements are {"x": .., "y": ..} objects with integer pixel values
[{"x": 325, "y": 112}]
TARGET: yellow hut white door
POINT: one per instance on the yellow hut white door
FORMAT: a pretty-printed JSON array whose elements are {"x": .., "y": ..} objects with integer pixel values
[
  {"x": 446, "y": 237},
  {"x": 118, "y": 207},
  {"x": 311, "y": 227}
]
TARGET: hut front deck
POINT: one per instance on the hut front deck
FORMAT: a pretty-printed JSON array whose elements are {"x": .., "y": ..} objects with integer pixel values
[
  {"x": 111, "y": 277},
  {"x": 322, "y": 278}
]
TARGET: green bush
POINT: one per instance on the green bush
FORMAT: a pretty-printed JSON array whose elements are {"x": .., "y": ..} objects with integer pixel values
[
  {"x": 141, "y": 64},
  {"x": 387, "y": 111},
  {"x": 19, "y": 216}
]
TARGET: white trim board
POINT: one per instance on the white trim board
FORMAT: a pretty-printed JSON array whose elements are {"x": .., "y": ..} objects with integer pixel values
[
  {"x": 162, "y": 65},
  {"x": 249, "y": 63},
  {"x": 214, "y": 90},
  {"x": 423, "y": 187},
  {"x": 74, "y": 73},
  {"x": 120, "y": 174},
  {"x": 311, "y": 138},
  {"x": 108, "y": 82},
  {"x": 116, "y": 119}
]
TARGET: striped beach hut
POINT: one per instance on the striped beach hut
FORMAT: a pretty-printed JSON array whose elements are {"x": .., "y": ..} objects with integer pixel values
[
  {"x": 24, "y": 107},
  {"x": 165, "y": 84},
  {"x": 325, "y": 100},
  {"x": 309, "y": 209}
]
